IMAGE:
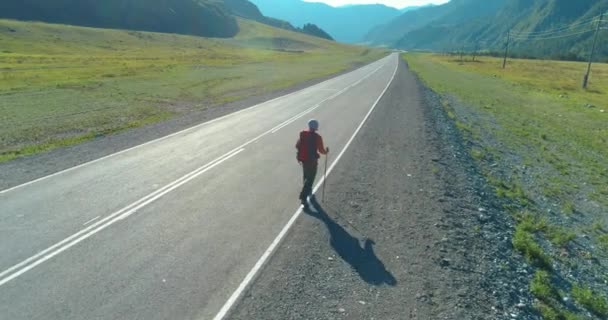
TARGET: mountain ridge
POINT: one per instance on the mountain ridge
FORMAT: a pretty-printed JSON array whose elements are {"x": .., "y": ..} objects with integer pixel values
[{"x": 346, "y": 24}]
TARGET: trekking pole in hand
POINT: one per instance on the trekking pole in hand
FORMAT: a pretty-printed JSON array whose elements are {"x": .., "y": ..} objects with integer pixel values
[{"x": 325, "y": 174}]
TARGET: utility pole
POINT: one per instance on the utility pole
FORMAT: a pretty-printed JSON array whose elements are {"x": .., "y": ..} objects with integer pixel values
[
  {"x": 597, "y": 31},
  {"x": 475, "y": 51},
  {"x": 504, "y": 62}
]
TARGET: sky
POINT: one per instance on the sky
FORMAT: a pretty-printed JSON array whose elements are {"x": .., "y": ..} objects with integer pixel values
[{"x": 393, "y": 3}]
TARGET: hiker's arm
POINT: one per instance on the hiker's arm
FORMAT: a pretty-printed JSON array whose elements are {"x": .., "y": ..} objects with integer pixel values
[
  {"x": 298, "y": 150},
  {"x": 321, "y": 147}
]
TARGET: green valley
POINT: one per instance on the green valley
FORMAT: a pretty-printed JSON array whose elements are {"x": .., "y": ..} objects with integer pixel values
[{"x": 64, "y": 84}]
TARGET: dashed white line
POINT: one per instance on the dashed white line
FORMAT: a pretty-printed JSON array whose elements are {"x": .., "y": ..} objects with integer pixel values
[
  {"x": 301, "y": 114},
  {"x": 292, "y": 119},
  {"x": 84, "y": 224},
  {"x": 30, "y": 263}
]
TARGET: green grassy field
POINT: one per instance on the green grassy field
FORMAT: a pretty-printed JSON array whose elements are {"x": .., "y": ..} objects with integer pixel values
[
  {"x": 542, "y": 142},
  {"x": 61, "y": 85}
]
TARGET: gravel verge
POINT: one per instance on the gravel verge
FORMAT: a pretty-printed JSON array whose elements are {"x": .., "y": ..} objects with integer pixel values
[{"x": 409, "y": 230}]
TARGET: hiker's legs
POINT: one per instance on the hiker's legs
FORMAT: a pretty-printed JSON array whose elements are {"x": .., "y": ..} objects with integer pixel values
[{"x": 310, "y": 172}]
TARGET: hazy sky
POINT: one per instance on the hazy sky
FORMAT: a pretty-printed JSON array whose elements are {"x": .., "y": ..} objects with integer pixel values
[{"x": 393, "y": 3}]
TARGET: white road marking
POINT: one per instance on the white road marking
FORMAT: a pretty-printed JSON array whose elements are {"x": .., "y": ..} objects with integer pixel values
[
  {"x": 300, "y": 115},
  {"x": 262, "y": 261},
  {"x": 31, "y": 262},
  {"x": 84, "y": 224},
  {"x": 290, "y": 120},
  {"x": 58, "y": 248},
  {"x": 179, "y": 132}
]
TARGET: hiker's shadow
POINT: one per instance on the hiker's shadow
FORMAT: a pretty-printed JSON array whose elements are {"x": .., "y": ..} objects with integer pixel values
[{"x": 361, "y": 258}]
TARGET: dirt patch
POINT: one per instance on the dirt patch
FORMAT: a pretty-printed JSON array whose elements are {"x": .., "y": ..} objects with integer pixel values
[{"x": 410, "y": 230}]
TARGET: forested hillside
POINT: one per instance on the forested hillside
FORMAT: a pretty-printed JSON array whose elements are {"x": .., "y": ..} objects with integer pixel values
[
  {"x": 561, "y": 29},
  {"x": 207, "y": 18},
  {"x": 195, "y": 17}
]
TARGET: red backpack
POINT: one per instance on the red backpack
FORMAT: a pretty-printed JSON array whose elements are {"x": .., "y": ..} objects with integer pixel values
[{"x": 307, "y": 146}]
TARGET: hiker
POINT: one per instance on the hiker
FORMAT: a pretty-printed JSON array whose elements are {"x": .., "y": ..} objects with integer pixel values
[{"x": 309, "y": 146}]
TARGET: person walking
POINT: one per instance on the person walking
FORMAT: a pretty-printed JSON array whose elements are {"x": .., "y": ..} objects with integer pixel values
[{"x": 309, "y": 145}]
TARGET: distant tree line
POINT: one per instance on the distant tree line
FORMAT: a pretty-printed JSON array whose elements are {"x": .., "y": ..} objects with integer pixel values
[{"x": 314, "y": 30}]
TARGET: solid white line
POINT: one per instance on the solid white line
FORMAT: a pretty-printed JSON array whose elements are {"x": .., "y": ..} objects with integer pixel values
[
  {"x": 84, "y": 224},
  {"x": 260, "y": 263},
  {"x": 182, "y": 131},
  {"x": 63, "y": 245},
  {"x": 114, "y": 220}
]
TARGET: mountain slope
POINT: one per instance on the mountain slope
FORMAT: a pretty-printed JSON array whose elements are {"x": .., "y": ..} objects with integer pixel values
[
  {"x": 449, "y": 14},
  {"x": 248, "y": 10},
  {"x": 208, "y": 18},
  {"x": 194, "y": 17},
  {"x": 345, "y": 24},
  {"x": 484, "y": 24}
]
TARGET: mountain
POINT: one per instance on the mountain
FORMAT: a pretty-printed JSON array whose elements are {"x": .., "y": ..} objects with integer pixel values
[
  {"x": 539, "y": 27},
  {"x": 194, "y": 17},
  {"x": 452, "y": 13},
  {"x": 248, "y": 10},
  {"x": 346, "y": 24},
  {"x": 412, "y": 8},
  {"x": 207, "y": 18}
]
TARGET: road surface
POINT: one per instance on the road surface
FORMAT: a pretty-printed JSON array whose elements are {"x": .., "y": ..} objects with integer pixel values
[{"x": 174, "y": 228}]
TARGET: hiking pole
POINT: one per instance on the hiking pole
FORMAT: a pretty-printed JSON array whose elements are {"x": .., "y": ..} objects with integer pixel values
[{"x": 325, "y": 177}]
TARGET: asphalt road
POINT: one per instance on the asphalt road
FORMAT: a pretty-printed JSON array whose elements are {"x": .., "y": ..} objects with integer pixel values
[{"x": 170, "y": 229}]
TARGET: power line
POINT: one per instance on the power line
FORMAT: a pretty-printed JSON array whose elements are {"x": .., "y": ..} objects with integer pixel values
[
  {"x": 560, "y": 29},
  {"x": 520, "y": 38}
]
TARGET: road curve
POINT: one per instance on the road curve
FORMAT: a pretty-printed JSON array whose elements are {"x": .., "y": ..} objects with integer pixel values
[{"x": 169, "y": 229}]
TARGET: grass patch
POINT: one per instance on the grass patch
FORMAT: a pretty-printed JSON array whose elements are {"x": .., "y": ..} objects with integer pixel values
[
  {"x": 532, "y": 224},
  {"x": 513, "y": 192},
  {"x": 542, "y": 288},
  {"x": 549, "y": 298},
  {"x": 568, "y": 207},
  {"x": 559, "y": 236},
  {"x": 603, "y": 240},
  {"x": 591, "y": 300},
  {"x": 59, "y": 83},
  {"x": 551, "y": 312},
  {"x": 523, "y": 241}
]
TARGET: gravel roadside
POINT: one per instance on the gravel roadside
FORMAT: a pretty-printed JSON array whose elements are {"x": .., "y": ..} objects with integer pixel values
[
  {"x": 22, "y": 170},
  {"x": 409, "y": 230}
]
